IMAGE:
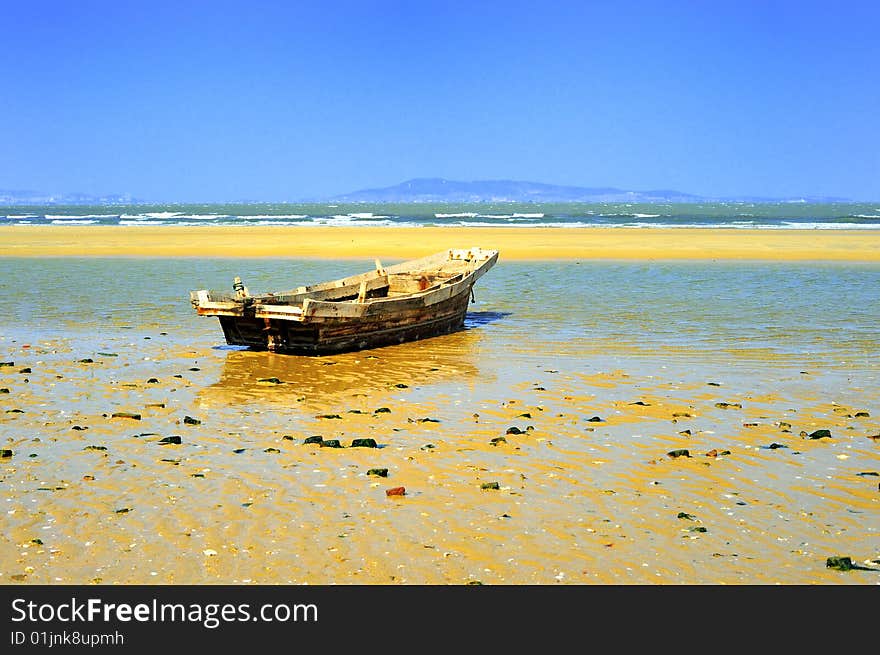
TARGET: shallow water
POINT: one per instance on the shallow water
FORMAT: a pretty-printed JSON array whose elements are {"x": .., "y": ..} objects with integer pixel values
[{"x": 604, "y": 367}]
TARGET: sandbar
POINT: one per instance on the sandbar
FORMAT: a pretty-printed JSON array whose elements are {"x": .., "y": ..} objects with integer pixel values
[{"x": 394, "y": 242}]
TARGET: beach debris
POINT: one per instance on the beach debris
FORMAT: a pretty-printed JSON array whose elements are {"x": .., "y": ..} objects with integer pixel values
[
  {"x": 95, "y": 448},
  {"x": 685, "y": 515},
  {"x": 209, "y": 552},
  {"x": 698, "y": 528},
  {"x": 514, "y": 430},
  {"x": 5, "y": 453},
  {"x": 88, "y": 478},
  {"x": 328, "y": 416},
  {"x": 239, "y": 451},
  {"x": 595, "y": 419},
  {"x": 331, "y": 443},
  {"x": 7, "y": 363},
  {"x": 123, "y": 510},
  {"x": 131, "y": 415},
  {"x": 861, "y": 415},
  {"x": 497, "y": 440},
  {"x": 818, "y": 434},
  {"x": 382, "y": 473},
  {"x": 25, "y": 370},
  {"x": 490, "y": 485},
  {"x": 382, "y": 410},
  {"x": 268, "y": 381},
  {"x": 318, "y": 439},
  {"x": 4, "y": 390},
  {"x": 682, "y": 415},
  {"x": 87, "y": 360},
  {"x": 189, "y": 420},
  {"x": 774, "y": 446},
  {"x": 875, "y": 437},
  {"x": 401, "y": 385},
  {"x": 159, "y": 405},
  {"x": 169, "y": 440},
  {"x": 195, "y": 368},
  {"x": 153, "y": 381},
  {"x": 287, "y": 437},
  {"x": 840, "y": 563},
  {"x": 176, "y": 462},
  {"x": 364, "y": 443},
  {"x": 271, "y": 450},
  {"x": 423, "y": 420},
  {"x": 783, "y": 426},
  {"x": 714, "y": 384},
  {"x": 685, "y": 433},
  {"x": 641, "y": 403},
  {"x": 108, "y": 354},
  {"x": 682, "y": 452},
  {"x": 728, "y": 405},
  {"x": 396, "y": 491}
]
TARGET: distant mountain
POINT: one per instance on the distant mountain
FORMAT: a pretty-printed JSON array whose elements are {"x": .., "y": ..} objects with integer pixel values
[
  {"x": 439, "y": 190},
  {"x": 23, "y": 197}
]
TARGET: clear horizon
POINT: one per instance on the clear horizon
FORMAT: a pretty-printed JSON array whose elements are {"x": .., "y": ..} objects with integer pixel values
[{"x": 274, "y": 102}]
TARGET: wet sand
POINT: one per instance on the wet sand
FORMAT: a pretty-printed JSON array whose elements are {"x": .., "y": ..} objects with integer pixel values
[
  {"x": 521, "y": 465},
  {"x": 516, "y": 243}
]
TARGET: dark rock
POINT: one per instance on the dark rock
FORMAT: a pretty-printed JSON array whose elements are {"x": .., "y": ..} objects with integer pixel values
[
  {"x": 873, "y": 473},
  {"x": 685, "y": 433},
  {"x": 15, "y": 411},
  {"x": 514, "y": 430},
  {"x": 123, "y": 510},
  {"x": 427, "y": 420},
  {"x": 497, "y": 440},
  {"x": 153, "y": 381},
  {"x": 401, "y": 385},
  {"x": 269, "y": 380},
  {"x": 713, "y": 384},
  {"x": 136, "y": 417},
  {"x": 775, "y": 445},
  {"x": 271, "y": 450},
  {"x": 239, "y": 451},
  {"x": 331, "y": 443},
  {"x": 862, "y": 415},
  {"x": 25, "y": 370},
  {"x": 699, "y": 528},
  {"x": 287, "y": 437},
  {"x": 189, "y": 420},
  {"x": 640, "y": 402},
  {"x": 95, "y": 448},
  {"x": 195, "y": 368},
  {"x": 329, "y": 416},
  {"x": 5, "y": 453},
  {"x": 683, "y": 452},
  {"x": 839, "y": 563},
  {"x": 382, "y": 473},
  {"x": 681, "y": 415},
  {"x": 172, "y": 439},
  {"x": 364, "y": 443},
  {"x": 490, "y": 485},
  {"x": 382, "y": 410},
  {"x": 7, "y": 363},
  {"x": 87, "y": 360},
  {"x": 595, "y": 419},
  {"x": 728, "y": 405},
  {"x": 820, "y": 434},
  {"x": 4, "y": 390},
  {"x": 685, "y": 515},
  {"x": 318, "y": 439},
  {"x": 524, "y": 415}
]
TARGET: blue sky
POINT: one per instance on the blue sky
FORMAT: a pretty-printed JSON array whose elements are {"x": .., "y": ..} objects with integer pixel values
[{"x": 219, "y": 101}]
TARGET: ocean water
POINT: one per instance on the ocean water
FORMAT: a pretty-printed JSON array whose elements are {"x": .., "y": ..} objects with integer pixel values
[{"x": 769, "y": 215}]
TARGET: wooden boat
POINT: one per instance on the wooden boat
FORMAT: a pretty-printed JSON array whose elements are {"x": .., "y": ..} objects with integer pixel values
[{"x": 408, "y": 301}]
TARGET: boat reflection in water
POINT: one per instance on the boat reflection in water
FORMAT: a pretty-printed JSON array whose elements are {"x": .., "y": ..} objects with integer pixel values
[{"x": 308, "y": 381}]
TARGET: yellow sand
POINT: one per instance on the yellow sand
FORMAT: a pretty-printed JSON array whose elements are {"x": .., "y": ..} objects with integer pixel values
[{"x": 514, "y": 243}]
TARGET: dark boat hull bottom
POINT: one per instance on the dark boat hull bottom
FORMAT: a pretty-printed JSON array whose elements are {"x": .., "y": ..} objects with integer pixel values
[{"x": 296, "y": 339}]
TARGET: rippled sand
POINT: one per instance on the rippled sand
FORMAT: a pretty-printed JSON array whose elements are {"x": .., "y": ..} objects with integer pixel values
[{"x": 587, "y": 492}]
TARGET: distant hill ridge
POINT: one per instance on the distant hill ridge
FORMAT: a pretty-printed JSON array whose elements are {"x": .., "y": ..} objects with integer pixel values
[{"x": 436, "y": 189}]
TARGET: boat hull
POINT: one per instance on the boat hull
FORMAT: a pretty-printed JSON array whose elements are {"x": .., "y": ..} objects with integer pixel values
[{"x": 406, "y": 302}]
